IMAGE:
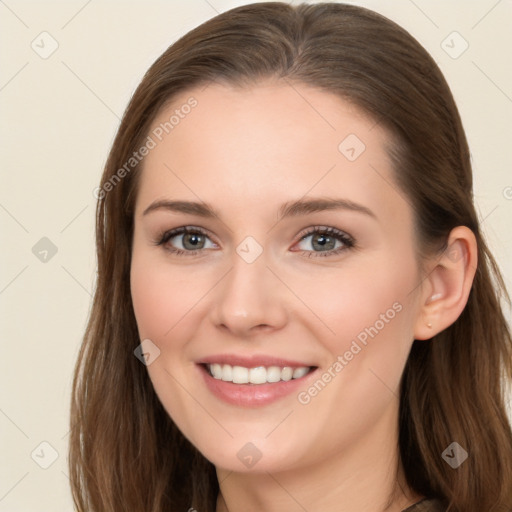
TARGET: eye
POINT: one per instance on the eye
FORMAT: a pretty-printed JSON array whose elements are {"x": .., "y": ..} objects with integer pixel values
[
  {"x": 187, "y": 240},
  {"x": 318, "y": 241},
  {"x": 325, "y": 240}
]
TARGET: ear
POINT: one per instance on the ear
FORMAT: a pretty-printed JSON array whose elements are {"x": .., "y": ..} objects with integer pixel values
[{"x": 446, "y": 289}]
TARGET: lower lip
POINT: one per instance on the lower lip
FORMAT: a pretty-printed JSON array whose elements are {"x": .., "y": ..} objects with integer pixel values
[{"x": 252, "y": 395}]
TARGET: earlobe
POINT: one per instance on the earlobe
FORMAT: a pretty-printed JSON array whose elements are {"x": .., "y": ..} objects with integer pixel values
[{"x": 448, "y": 284}]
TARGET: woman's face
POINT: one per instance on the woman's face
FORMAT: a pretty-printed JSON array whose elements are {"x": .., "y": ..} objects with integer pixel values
[{"x": 254, "y": 293}]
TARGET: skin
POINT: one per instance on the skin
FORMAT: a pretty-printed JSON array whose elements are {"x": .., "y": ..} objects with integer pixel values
[{"x": 245, "y": 152}]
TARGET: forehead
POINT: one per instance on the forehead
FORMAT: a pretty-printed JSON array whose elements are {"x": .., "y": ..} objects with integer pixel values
[{"x": 277, "y": 141}]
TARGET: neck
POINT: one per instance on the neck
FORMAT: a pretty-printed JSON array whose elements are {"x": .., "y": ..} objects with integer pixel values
[{"x": 365, "y": 477}]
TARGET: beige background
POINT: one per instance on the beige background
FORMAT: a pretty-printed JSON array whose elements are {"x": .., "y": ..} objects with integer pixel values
[{"x": 58, "y": 118}]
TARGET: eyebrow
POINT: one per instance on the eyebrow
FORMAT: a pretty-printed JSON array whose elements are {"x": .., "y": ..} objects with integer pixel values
[
  {"x": 289, "y": 209},
  {"x": 190, "y": 207}
]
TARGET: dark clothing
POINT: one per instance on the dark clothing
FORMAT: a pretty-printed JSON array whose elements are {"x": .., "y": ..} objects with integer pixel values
[{"x": 426, "y": 506}]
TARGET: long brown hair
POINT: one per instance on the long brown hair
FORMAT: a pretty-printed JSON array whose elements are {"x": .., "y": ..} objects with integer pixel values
[{"x": 126, "y": 454}]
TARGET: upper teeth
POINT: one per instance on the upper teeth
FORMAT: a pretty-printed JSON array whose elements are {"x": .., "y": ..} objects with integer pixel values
[{"x": 258, "y": 375}]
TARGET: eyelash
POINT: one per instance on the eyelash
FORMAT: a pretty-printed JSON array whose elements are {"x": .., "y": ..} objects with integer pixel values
[{"x": 347, "y": 241}]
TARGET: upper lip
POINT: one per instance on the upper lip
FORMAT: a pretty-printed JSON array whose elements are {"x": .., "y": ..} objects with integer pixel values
[{"x": 251, "y": 361}]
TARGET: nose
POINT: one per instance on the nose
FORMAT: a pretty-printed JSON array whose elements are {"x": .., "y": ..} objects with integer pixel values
[{"x": 249, "y": 300}]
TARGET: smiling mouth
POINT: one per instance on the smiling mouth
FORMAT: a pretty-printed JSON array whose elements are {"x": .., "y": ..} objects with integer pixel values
[{"x": 256, "y": 375}]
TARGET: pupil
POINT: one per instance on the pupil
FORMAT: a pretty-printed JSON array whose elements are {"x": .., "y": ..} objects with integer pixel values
[
  {"x": 322, "y": 241},
  {"x": 193, "y": 240}
]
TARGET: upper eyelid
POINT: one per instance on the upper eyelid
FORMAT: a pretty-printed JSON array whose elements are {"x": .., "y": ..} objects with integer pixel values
[
  {"x": 186, "y": 229},
  {"x": 323, "y": 229}
]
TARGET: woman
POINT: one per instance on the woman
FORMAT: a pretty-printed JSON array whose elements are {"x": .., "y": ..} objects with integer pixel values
[{"x": 295, "y": 307}]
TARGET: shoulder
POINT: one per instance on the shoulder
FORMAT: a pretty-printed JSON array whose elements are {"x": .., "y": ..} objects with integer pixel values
[{"x": 426, "y": 506}]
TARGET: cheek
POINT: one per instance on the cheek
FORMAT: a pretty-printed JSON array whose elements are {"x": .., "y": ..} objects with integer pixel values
[
  {"x": 162, "y": 296},
  {"x": 367, "y": 328},
  {"x": 162, "y": 300},
  {"x": 356, "y": 299},
  {"x": 152, "y": 302},
  {"x": 360, "y": 383}
]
